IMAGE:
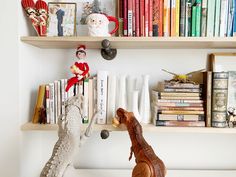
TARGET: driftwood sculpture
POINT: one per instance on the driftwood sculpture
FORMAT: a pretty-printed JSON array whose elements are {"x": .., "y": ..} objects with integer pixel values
[
  {"x": 147, "y": 163},
  {"x": 70, "y": 138}
]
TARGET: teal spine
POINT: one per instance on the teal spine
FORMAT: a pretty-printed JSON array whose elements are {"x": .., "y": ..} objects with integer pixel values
[
  {"x": 217, "y": 18},
  {"x": 193, "y": 31},
  {"x": 211, "y": 18},
  {"x": 198, "y": 17}
]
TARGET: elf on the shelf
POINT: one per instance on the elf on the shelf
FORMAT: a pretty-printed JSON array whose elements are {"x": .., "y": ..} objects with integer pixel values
[{"x": 80, "y": 68}]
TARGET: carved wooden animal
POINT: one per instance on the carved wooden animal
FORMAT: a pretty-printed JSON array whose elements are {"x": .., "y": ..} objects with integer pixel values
[{"x": 147, "y": 162}]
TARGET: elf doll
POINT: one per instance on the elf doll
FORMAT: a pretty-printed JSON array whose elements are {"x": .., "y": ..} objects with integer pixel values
[{"x": 80, "y": 68}]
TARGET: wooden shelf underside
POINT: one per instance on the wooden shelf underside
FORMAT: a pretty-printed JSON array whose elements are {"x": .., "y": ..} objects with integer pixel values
[
  {"x": 133, "y": 42},
  {"x": 146, "y": 128}
]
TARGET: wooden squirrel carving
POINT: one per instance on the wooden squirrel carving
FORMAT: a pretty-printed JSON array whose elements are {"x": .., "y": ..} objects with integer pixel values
[{"x": 147, "y": 162}]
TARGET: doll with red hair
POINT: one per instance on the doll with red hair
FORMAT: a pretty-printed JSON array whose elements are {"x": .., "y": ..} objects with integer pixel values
[{"x": 80, "y": 68}]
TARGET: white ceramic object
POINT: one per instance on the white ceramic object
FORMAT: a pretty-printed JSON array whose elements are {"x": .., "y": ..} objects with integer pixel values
[
  {"x": 131, "y": 86},
  {"x": 134, "y": 106},
  {"x": 121, "y": 93}
]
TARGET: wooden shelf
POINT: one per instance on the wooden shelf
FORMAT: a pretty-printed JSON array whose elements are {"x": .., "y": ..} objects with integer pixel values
[
  {"x": 146, "y": 128},
  {"x": 133, "y": 42}
]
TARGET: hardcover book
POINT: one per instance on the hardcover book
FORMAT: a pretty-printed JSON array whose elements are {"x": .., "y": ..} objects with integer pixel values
[
  {"x": 180, "y": 117},
  {"x": 204, "y": 18},
  {"x": 182, "y": 17},
  {"x": 211, "y": 18},
  {"x": 217, "y": 18},
  {"x": 173, "y": 123},
  {"x": 224, "y": 18},
  {"x": 207, "y": 79}
]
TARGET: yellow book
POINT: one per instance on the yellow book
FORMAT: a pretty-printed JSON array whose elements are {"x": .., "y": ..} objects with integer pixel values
[
  {"x": 39, "y": 104},
  {"x": 177, "y": 5}
]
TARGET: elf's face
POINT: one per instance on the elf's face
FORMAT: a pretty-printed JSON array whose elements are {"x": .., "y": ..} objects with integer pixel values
[{"x": 81, "y": 55}]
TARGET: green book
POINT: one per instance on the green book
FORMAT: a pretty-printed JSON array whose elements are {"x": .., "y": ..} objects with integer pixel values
[
  {"x": 217, "y": 18},
  {"x": 193, "y": 31},
  {"x": 198, "y": 17}
]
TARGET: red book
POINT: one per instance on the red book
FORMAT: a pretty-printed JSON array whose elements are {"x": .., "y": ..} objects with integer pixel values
[
  {"x": 133, "y": 19},
  {"x": 125, "y": 12},
  {"x": 137, "y": 18},
  {"x": 142, "y": 22},
  {"x": 130, "y": 17},
  {"x": 150, "y": 15},
  {"x": 160, "y": 18},
  {"x": 146, "y": 17},
  {"x": 121, "y": 10}
]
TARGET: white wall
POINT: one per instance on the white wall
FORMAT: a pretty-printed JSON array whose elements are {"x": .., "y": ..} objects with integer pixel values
[{"x": 24, "y": 67}]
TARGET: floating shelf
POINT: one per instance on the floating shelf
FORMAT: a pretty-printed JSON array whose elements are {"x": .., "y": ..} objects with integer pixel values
[
  {"x": 146, "y": 128},
  {"x": 133, "y": 42}
]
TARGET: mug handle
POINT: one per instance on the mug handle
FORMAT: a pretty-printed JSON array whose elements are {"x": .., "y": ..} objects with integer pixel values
[{"x": 113, "y": 19}]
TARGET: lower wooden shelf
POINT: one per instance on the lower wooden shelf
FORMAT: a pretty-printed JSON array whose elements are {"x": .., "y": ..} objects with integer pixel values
[
  {"x": 170, "y": 173},
  {"x": 146, "y": 128}
]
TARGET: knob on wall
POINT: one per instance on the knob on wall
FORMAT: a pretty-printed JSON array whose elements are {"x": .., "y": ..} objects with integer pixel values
[{"x": 107, "y": 52}]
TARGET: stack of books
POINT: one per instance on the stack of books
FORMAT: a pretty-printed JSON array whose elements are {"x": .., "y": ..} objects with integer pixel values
[{"x": 178, "y": 104}]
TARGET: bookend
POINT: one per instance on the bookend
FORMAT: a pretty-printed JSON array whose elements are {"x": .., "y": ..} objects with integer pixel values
[
  {"x": 107, "y": 52},
  {"x": 147, "y": 162}
]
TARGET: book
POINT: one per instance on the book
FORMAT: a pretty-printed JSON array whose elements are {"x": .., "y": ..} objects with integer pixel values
[
  {"x": 150, "y": 16},
  {"x": 180, "y": 117},
  {"x": 178, "y": 104},
  {"x": 177, "y": 17},
  {"x": 173, "y": 18},
  {"x": 182, "y": 18},
  {"x": 142, "y": 18},
  {"x": 51, "y": 103},
  {"x": 90, "y": 98},
  {"x": 207, "y": 80},
  {"x": 111, "y": 98},
  {"x": 134, "y": 17},
  {"x": 219, "y": 98},
  {"x": 231, "y": 101},
  {"x": 230, "y": 18},
  {"x": 204, "y": 18},
  {"x": 188, "y": 17},
  {"x": 146, "y": 17},
  {"x": 181, "y": 108},
  {"x": 85, "y": 115},
  {"x": 194, "y": 14},
  {"x": 223, "y": 18},
  {"x": 166, "y": 18},
  {"x": 179, "y": 94},
  {"x": 179, "y": 112},
  {"x": 179, "y": 101},
  {"x": 173, "y": 123},
  {"x": 102, "y": 96},
  {"x": 125, "y": 19},
  {"x": 211, "y": 18},
  {"x": 137, "y": 18},
  {"x": 39, "y": 104},
  {"x": 217, "y": 18},
  {"x": 181, "y": 85},
  {"x": 234, "y": 20},
  {"x": 157, "y": 18},
  {"x": 197, "y": 90},
  {"x": 198, "y": 17},
  {"x": 130, "y": 17},
  {"x": 47, "y": 104}
]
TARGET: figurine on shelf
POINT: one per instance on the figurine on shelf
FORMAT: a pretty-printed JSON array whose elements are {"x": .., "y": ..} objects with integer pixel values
[
  {"x": 147, "y": 162},
  {"x": 30, "y": 9},
  {"x": 231, "y": 119},
  {"x": 80, "y": 68},
  {"x": 42, "y": 9},
  {"x": 98, "y": 25}
]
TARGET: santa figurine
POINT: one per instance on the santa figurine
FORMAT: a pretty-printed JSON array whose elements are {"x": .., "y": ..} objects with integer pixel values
[{"x": 80, "y": 68}]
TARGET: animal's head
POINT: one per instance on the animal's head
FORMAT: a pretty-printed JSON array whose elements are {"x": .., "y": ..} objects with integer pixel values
[
  {"x": 75, "y": 101},
  {"x": 123, "y": 117},
  {"x": 97, "y": 21}
]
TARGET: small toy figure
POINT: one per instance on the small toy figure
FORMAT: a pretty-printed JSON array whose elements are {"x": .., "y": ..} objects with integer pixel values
[
  {"x": 147, "y": 162},
  {"x": 42, "y": 9},
  {"x": 231, "y": 119},
  {"x": 30, "y": 9},
  {"x": 80, "y": 68}
]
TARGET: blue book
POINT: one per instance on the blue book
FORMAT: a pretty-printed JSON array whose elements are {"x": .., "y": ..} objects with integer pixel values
[{"x": 234, "y": 20}]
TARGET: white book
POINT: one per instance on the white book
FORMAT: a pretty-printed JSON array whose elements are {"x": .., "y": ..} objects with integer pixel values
[
  {"x": 90, "y": 98},
  {"x": 66, "y": 93},
  {"x": 211, "y": 18},
  {"x": 51, "y": 103},
  {"x": 63, "y": 98},
  {"x": 55, "y": 100},
  {"x": 217, "y": 18},
  {"x": 47, "y": 104},
  {"x": 95, "y": 93},
  {"x": 58, "y": 98},
  {"x": 130, "y": 23},
  {"x": 102, "y": 96},
  {"x": 111, "y": 98},
  {"x": 86, "y": 101},
  {"x": 121, "y": 101},
  {"x": 223, "y": 18}
]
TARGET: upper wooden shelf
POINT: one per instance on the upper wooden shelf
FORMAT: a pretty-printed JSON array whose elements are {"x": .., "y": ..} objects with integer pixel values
[
  {"x": 133, "y": 42},
  {"x": 146, "y": 128}
]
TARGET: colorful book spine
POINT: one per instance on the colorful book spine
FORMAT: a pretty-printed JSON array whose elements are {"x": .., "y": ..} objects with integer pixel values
[
  {"x": 198, "y": 17},
  {"x": 182, "y": 17},
  {"x": 207, "y": 80},
  {"x": 173, "y": 18},
  {"x": 146, "y": 17},
  {"x": 47, "y": 104},
  {"x": 234, "y": 20},
  {"x": 125, "y": 17},
  {"x": 193, "y": 30},
  {"x": 166, "y": 18},
  {"x": 179, "y": 112},
  {"x": 137, "y": 18},
  {"x": 230, "y": 18},
  {"x": 190, "y": 108},
  {"x": 204, "y": 18},
  {"x": 180, "y": 117},
  {"x": 188, "y": 18},
  {"x": 217, "y": 18},
  {"x": 102, "y": 96},
  {"x": 150, "y": 16},
  {"x": 223, "y": 18},
  {"x": 142, "y": 18},
  {"x": 173, "y": 123},
  {"x": 179, "y": 101},
  {"x": 211, "y": 18},
  {"x": 219, "y": 99},
  {"x": 156, "y": 6},
  {"x": 130, "y": 18},
  {"x": 177, "y": 17}
]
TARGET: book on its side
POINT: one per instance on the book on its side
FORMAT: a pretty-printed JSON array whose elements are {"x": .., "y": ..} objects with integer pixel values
[
  {"x": 102, "y": 96},
  {"x": 39, "y": 104},
  {"x": 207, "y": 80},
  {"x": 204, "y": 18},
  {"x": 179, "y": 112},
  {"x": 211, "y": 18},
  {"x": 180, "y": 117},
  {"x": 219, "y": 99},
  {"x": 174, "y": 123},
  {"x": 179, "y": 94}
]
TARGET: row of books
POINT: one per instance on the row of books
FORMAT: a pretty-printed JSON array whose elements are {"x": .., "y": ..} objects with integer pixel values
[
  {"x": 178, "y": 104},
  {"x": 197, "y": 18}
]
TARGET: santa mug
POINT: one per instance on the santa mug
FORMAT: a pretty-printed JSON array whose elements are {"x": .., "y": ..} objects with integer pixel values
[{"x": 98, "y": 24}]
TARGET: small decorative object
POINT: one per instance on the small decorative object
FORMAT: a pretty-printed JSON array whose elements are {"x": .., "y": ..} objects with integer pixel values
[
  {"x": 80, "y": 68},
  {"x": 134, "y": 105},
  {"x": 107, "y": 52},
  {"x": 98, "y": 25},
  {"x": 70, "y": 138},
  {"x": 182, "y": 78},
  {"x": 30, "y": 9},
  {"x": 144, "y": 106},
  {"x": 231, "y": 120},
  {"x": 147, "y": 162},
  {"x": 42, "y": 9},
  {"x": 104, "y": 134},
  {"x": 62, "y": 19}
]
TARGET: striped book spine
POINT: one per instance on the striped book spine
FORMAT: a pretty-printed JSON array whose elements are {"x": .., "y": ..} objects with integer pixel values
[
  {"x": 204, "y": 18},
  {"x": 211, "y": 18},
  {"x": 156, "y": 6}
]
